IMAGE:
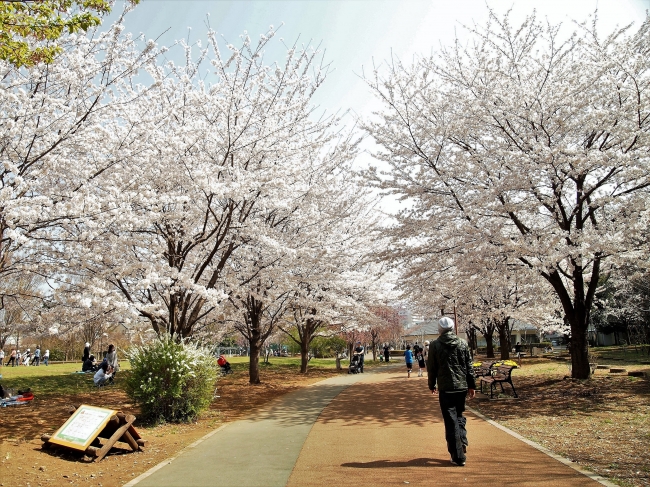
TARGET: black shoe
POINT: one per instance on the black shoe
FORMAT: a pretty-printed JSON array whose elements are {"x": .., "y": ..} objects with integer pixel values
[{"x": 458, "y": 463}]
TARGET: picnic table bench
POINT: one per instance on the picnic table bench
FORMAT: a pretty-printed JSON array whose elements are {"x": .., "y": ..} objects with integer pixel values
[{"x": 503, "y": 373}]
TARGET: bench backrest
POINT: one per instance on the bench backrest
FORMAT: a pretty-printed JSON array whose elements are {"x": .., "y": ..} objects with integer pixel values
[
  {"x": 484, "y": 369},
  {"x": 505, "y": 370}
]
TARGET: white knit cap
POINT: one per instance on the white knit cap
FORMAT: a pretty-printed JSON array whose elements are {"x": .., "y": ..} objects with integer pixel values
[{"x": 445, "y": 324}]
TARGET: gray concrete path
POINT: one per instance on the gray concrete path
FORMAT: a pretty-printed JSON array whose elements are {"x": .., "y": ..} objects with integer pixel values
[{"x": 259, "y": 450}]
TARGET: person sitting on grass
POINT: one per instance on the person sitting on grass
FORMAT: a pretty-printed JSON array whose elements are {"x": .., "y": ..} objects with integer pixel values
[
  {"x": 103, "y": 375},
  {"x": 111, "y": 359},
  {"x": 90, "y": 365}
]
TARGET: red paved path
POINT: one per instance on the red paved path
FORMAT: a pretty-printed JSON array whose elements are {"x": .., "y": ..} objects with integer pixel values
[{"x": 388, "y": 431}]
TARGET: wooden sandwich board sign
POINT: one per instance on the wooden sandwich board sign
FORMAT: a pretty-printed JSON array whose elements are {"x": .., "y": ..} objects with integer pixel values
[
  {"x": 87, "y": 424},
  {"x": 83, "y": 427}
]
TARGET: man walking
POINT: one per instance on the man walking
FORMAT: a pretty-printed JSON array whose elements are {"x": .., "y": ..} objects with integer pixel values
[{"x": 452, "y": 377}]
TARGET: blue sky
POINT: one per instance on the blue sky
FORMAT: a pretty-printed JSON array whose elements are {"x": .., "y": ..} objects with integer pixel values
[{"x": 354, "y": 32}]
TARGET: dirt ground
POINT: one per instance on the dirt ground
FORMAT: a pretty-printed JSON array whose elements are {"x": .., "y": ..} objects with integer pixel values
[
  {"x": 24, "y": 463},
  {"x": 603, "y": 424}
]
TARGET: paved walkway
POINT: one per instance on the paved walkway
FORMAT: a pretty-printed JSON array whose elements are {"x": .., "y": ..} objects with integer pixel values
[{"x": 366, "y": 429}]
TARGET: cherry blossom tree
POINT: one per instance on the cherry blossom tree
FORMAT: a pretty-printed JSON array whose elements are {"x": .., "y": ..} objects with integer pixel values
[
  {"x": 52, "y": 143},
  {"x": 529, "y": 139},
  {"x": 209, "y": 168}
]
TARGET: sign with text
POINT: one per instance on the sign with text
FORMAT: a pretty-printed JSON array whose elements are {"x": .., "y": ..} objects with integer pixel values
[{"x": 82, "y": 428}]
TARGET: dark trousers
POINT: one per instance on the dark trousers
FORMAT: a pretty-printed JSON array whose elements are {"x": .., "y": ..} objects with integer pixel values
[{"x": 452, "y": 405}]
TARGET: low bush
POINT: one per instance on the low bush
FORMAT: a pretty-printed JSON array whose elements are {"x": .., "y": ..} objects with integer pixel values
[
  {"x": 171, "y": 380},
  {"x": 56, "y": 354}
]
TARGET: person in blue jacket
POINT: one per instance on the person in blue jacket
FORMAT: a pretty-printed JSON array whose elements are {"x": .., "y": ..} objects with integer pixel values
[{"x": 408, "y": 358}]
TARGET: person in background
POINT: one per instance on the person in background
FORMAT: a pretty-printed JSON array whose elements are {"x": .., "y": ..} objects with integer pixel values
[
  {"x": 360, "y": 351},
  {"x": 46, "y": 357},
  {"x": 12, "y": 358},
  {"x": 19, "y": 357},
  {"x": 2, "y": 357},
  {"x": 37, "y": 356},
  {"x": 419, "y": 356},
  {"x": 387, "y": 353},
  {"x": 451, "y": 377},
  {"x": 103, "y": 375},
  {"x": 89, "y": 365},
  {"x": 86, "y": 353},
  {"x": 111, "y": 359},
  {"x": 408, "y": 358},
  {"x": 27, "y": 356}
]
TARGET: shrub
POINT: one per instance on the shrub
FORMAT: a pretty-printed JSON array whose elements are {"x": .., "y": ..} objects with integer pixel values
[
  {"x": 56, "y": 354},
  {"x": 327, "y": 347},
  {"x": 171, "y": 380}
]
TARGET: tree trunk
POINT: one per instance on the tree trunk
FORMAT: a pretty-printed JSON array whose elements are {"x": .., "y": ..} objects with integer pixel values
[
  {"x": 504, "y": 339},
  {"x": 576, "y": 311},
  {"x": 254, "y": 364},
  {"x": 304, "y": 353},
  {"x": 579, "y": 349},
  {"x": 471, "y": 338},
  {"x": 490, "y": 345}
]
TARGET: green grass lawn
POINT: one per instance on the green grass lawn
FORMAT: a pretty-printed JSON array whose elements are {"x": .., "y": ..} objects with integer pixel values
[
  {"x": 55, "y": 379},
  {"x": 324, "y": 363},
  {"x": 619, "y": 355}
]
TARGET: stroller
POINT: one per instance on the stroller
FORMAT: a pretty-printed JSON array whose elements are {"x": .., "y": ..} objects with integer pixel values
[
  {"x": 225, "y": 366},
  {"x": 355, "y": 364}
]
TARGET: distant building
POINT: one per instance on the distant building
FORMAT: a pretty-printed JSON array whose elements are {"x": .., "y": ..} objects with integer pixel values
[
  {"x": 422, "y": 330},
  {"x": 521, "y": 332}
]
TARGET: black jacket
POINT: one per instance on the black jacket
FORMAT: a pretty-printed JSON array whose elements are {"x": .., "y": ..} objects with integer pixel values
[{"x": 450, "y": 364}]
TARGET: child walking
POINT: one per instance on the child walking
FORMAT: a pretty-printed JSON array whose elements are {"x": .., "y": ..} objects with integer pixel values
[
  {"x": 419, "y": 356},
  {"x": 408, "y": 357}
]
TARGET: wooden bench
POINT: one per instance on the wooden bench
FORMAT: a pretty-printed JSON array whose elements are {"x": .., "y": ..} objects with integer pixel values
[
  {"x": 484, "y": 370},
  {"x": 502, "y": 374}
]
